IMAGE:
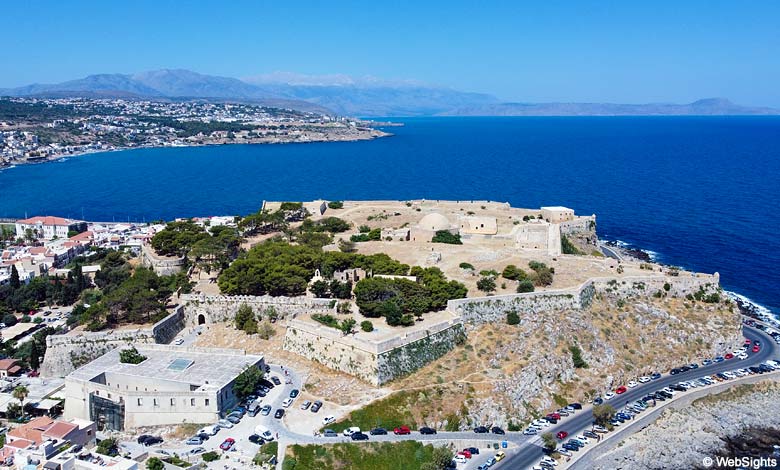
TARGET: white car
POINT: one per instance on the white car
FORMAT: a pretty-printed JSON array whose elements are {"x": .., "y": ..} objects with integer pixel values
[
  {"x": 210, "y": 430},
  {"x": 742, "y": 355},
  {"x": 328, "y": 419},
  {"x": 632, "y": 384},
  {"x": 609, "y": 395},
  {"x": 179, "y": 342},
  {"x": 582, "y": 438},
  {"x": 460, "y": 459},
  {"x": 644, "y": 379},
  {"x": 550, "y": 461},
  {"x": 223, "y": 423},
  {"x": 287, "y": 402},
  {"x": 669, "y": 390},
  {"x": 350, "y": 431}
]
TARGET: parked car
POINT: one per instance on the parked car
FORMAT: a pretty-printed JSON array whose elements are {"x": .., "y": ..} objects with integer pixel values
[
  {"x": 287, "y": 402},
  {"x": 402, "y": 430},
  {"x": 609, "y": 395},
  {"x": 358, "y": 436},
  {"x": 480, "y": 430},
  {"x": 378, "y": 432},
  {"x": 330, "y": 433},
  {"x": 728, "y": 356},
  {"x": 203, "y": 436},
  {"x": 472, "y": 450},
  {"x": 210, "y": 430},
  {"x": 316, "y": 406},
  {"x": 598, "y": 401},
  {"x": 427, "y": 430},
  {"x": 265, "y": 410},
  {"x": 530, "y": 432},
  {"x": 305, "y": 405},
  {"x": 179, "y": 342},
  {"x": 655, "y": 376},
  {"x": 576, "y": 406},
  {"x": 152, "y": 440},
  {"x": 197, "y": 450},
  {"x": 500, "y": 456},
  {"x": 255, "y": 439},
  {"x": 562, "y": 435},
  {"x": 233, "y": 419},
  {"x": 223, "y": 423},
  {"x": 227, "y": 443},
  {"x": 194, "y": 441},
  {"x": 620, "y": 390},
  {"x": 328, "y": 419},
  {"x": 756, "y": 348},
  {"x": 350, "y": 431},
  {"x": 142, "y": 438},
  {"x": 497, "y": 430},
  {"x": 632, "y": 384},
  {"x": 276, "y": 380},
  {"x": 279, "y": 413}
]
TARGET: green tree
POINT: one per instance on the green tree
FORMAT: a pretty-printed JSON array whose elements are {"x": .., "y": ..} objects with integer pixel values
[
  {"x": 154, "y": 464},
  {"x": 486, "y": 284},
  {"x": 320, "y": 289},
  {"x": 265, "y": 330},
  {"x": 512, "y": 318},
  {"x": 15, "y": 282},
  {"x": 247, "y": 381},
  {"x": 20, "y": 393},
  {"x": 243, "y": 315},
  {"x": 131, "y": 356},
  {"x": 347, "y": 325},
  {"x": 9, "y": 319},
  {"x": 335, "y": 204},
  {"x": 602, "y": 414},
  {"x": 576, "y": 357},
  {"x": 445, "y": 236},
  {"x": 367, "y": 326},
  {"x": 549, "y": 441}
]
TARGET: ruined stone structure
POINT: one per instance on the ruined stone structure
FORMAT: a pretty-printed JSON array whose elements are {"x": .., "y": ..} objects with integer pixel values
[{"x": 205, "y": 309}]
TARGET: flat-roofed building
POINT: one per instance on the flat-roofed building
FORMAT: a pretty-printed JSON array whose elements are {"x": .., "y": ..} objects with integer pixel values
[
  {"x": 173, "y": 385},
  {"x": 557, "y": 214},
  {"x": 476, "y": 225}
]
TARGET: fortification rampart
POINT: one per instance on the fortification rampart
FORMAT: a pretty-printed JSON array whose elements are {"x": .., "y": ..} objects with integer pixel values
[
  {"x": 206, "y": 309},
  {"x": 376, "y": 362},
  {"x": 162, "y": 265},
  {"x": 579, "y": 224},
  {"x": 65, "y": 353}
]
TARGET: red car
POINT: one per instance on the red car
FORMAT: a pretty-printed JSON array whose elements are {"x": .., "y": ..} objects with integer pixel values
[
  {"x": 620, "y": 390},
  {"x": 554, "y": 416},
  {"x": 465, "y": 453},
  {"x": 756, "y": 348},
  {"x": 227, "y": 444},
  {"x": 401, "y": 430},
  {"x": 562, "y": 435},
  {"x": 729, "y": 356},
  {"x": 747, "y": 342}
]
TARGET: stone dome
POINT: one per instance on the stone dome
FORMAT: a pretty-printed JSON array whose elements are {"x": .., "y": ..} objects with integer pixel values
[{"x": 434, "y": 222}]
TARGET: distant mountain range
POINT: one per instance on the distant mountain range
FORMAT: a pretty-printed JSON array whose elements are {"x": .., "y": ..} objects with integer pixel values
[{"x": 343, "y": 95}]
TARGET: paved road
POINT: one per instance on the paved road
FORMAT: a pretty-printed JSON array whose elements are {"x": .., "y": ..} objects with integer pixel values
[
  {"x": 609, "y": 251},
  {"x": 532, "y": 450}
]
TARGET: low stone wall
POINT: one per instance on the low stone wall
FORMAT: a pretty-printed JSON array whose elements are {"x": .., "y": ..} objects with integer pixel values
[
  {"x": 376, "y": 363},
  {"x": 206, "y": 309},
  {"x": 66, "y": 353},
  {"x": 494, "y": 308}
]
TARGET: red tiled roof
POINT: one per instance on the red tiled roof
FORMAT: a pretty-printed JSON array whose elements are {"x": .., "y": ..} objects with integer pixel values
[
  {"x": 60, "y": 429},
  {"x": 7, "y": 364},
  {"x": 37, "y": 250},
  {"x": 44, "y": 220},
  {"x": 83, "y": 236},
  {"x": 20, "y": 443}
]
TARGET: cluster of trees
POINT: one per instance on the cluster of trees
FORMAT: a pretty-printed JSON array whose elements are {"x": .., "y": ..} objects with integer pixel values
[
  {"x": 131, "y": 356},
  {"x": 247, "y": 382},
  {"x": 513, "y": 273},
  {"x": 48, "y": 290},
  {"x": 398, "y": 300},
  {"x": 211, "y": 249},
  {"x": 328, "y": 224},
  {"x": 444, "y": 236},
  {"x": 543, "y": 274},
  {"x": 250, "y": 323},
  {"x": 140, "y": 298},
  {"x": 334, "y": 288},
  {"x": 277, "y": 268},
  {"x": 367, "y": 234},
  {"x": 192, "y": 128},
  {"x": 576, "y": 357}
]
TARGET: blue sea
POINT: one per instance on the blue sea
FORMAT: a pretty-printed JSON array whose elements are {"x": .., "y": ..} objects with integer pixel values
[{"x": 699, "y": 192}]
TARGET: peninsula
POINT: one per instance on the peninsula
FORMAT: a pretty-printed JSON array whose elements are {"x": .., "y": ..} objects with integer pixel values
[{"x": 37, "y": 130}]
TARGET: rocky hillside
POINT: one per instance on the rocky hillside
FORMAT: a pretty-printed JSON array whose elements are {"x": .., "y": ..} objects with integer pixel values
[
  {"x": 510, "y": 373},
  {"x": 735, "y": 423}
]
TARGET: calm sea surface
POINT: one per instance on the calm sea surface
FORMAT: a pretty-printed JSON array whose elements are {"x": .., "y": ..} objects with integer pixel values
[{"x": 701, "y": 192}]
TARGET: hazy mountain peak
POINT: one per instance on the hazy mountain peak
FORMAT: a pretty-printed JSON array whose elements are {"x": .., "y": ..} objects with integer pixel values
[{"x": 300, "y": 79}]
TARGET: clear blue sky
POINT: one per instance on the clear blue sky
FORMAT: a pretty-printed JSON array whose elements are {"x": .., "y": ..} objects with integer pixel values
[{"x": 674, "y": 51}]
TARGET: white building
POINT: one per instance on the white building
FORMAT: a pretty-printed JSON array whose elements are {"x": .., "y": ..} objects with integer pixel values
[
  {"x": 173, "y": 385},
  {"x": 48, "y": 227}
]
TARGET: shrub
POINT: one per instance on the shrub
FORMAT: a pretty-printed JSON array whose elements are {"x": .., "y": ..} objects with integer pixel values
[
  {"x": 335, "y": 204},
  {"x": 466, "y": 266},
  {"x": 210, "y": 456},
  {"x": 155, "y": 464},
  {"x": 525, "y": 285},
  {"x": 568, "y": 248},
  {"x": 512, "y": 318},
  {"x": 366, "y": 326},
  {"x": 486, "y": 284},
  {"x": 576, "y": 357},
  {"x": 513, "y": 273},
  {"x": 131, "y": 356},
  {"x": 444, "y": 236}
]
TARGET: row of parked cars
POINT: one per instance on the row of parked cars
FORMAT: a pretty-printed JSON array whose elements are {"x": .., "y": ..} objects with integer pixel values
[{"x": 538, "y": 425}]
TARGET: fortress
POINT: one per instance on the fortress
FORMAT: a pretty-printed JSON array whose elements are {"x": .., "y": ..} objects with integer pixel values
[{"x": 492, "y": 236}]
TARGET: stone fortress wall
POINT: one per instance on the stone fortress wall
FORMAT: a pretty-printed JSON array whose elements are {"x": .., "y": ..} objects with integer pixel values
[
  {"x": 162, "y": 265},
  {"x": 66, "y": 353},
  {"x": 205, "y": 309}
]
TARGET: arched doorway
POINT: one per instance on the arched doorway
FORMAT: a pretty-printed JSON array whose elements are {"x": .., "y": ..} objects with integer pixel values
[{"x": 201, "y": 319}]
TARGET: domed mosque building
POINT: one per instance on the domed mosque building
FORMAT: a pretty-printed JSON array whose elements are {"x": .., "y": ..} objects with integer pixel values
[{"x": 431, "y": 223}]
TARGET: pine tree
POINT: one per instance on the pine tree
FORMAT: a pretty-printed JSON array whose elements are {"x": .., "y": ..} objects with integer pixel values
[{"x": 15, "y": 283}]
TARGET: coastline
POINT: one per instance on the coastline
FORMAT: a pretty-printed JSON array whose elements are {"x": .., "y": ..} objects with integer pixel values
[{"x": 372, "y": 135}]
